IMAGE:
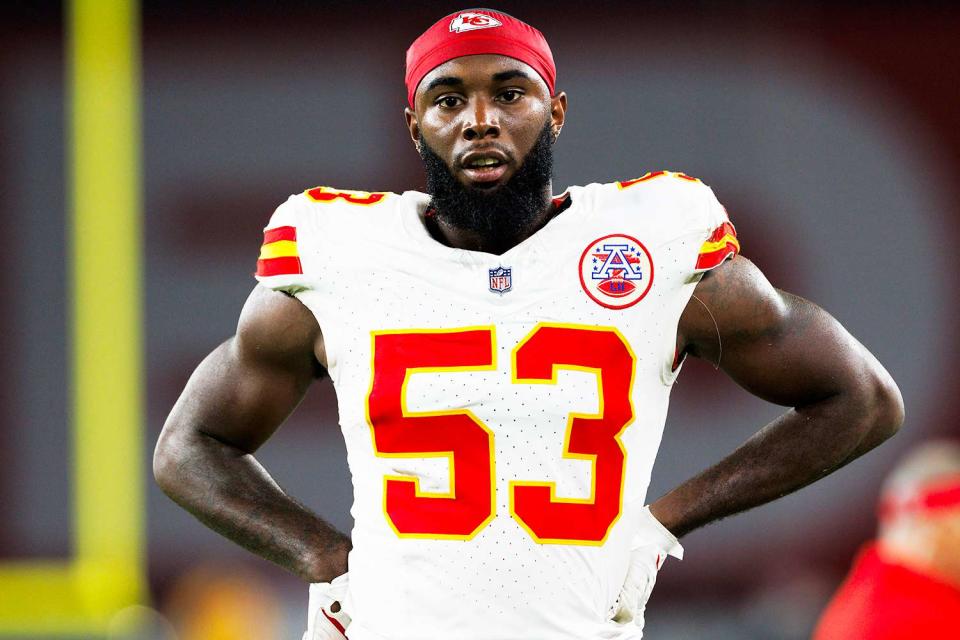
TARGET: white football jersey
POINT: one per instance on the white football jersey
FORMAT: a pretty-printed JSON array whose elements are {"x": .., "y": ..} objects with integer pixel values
[{"x": 501, "y": 413}]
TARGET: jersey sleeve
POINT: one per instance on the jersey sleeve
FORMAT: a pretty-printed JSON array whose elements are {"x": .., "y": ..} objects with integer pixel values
[
  {"x": 701, "y": 239},
  {"x": 281, "y": 261},
  {"x": 720, "y": 242}
]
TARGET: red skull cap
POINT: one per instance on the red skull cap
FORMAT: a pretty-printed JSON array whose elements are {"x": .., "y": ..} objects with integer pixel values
[{"x": 475, "y": 32}]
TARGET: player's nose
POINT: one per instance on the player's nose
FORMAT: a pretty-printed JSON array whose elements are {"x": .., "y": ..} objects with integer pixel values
[{"x": 481, "y": 122}]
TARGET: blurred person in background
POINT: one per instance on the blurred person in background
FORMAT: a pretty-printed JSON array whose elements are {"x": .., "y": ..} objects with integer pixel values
[
  {"x": 481, "y": 335},
  {"x": 906, "y": 583}
]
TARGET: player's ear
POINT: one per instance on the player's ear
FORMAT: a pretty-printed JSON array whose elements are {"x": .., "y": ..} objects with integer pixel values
[
  {"x": 558, "y": 113},
  {"x": 414, "y": 126}
]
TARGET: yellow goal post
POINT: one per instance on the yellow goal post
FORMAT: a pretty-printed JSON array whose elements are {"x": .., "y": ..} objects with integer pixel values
[{"x": 80, "y": 595}]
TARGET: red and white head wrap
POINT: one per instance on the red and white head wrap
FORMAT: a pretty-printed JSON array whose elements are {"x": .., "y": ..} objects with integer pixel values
[
  {"x": 938, "y": 495},
  {"x": 474, "y": 32},
  {"x": 925, "y": 482}
]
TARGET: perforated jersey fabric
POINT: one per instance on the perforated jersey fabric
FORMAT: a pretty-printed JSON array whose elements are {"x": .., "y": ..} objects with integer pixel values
[{"x": 535, "y": 354}]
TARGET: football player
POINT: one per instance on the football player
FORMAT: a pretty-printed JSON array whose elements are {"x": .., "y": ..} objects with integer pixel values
[
  {"x": 502, "y": 371},
  {"x": 906, "y": 582}
]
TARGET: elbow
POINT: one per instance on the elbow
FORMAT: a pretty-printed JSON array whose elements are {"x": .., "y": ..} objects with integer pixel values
[
  {"x": 884, "y": 406},
  {"x": 893, "y": 412},
  {"x": 166, "y": 460}
]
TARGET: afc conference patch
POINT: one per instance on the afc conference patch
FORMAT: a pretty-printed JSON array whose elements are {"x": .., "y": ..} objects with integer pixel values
[
  {"x": 500, "y": 280},
  {"x": 616, "y": 271}
]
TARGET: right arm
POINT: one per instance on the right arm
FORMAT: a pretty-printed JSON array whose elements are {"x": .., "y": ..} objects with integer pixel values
[{"x": 233, "y": 402}]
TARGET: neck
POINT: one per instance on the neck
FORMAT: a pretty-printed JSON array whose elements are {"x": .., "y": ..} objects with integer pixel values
[{"x": 448, "y": 233}]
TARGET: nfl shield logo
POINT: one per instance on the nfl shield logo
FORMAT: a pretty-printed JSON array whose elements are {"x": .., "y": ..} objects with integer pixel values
[{"x": 500, "y": 280}]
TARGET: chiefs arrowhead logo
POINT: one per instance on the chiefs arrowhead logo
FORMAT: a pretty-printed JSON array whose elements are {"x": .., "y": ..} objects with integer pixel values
[{"x": 471, "y": 21}]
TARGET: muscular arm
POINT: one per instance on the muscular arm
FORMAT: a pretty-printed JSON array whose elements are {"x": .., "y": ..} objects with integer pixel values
[
  {"x": 234, "y": 401},
  {"x": 786, "y": 350}
]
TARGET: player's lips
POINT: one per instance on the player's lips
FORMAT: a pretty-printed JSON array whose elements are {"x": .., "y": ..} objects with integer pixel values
[
  {"x": 486, "y": 174},
  {"x": 485, "y": 166}
]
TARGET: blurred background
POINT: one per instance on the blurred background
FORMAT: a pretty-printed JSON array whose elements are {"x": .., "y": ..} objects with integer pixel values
[{"x": 830, "y": 131}]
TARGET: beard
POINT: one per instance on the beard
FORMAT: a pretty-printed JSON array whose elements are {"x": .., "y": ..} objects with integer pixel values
[{"x": 499, "y": 214}]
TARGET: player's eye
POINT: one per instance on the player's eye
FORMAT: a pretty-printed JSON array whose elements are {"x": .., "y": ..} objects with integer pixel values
[
  {"x": 510, "y": 95},
  {"x": 448, "y": 102}
]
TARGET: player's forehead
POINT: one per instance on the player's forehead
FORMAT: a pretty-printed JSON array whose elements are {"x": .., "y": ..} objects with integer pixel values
[{"x": 480, "y": 70}]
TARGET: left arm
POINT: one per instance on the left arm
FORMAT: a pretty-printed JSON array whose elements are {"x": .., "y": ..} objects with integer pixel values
[{"x": 789, "y": 351}]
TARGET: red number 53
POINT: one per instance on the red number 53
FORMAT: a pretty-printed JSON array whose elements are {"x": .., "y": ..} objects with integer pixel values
[{"x": 460, "y": 437}]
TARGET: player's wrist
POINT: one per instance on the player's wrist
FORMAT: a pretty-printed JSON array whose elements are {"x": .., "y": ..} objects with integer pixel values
[
  {"x": 325, "y": 564},
  {"x": 667, "y": 518}
]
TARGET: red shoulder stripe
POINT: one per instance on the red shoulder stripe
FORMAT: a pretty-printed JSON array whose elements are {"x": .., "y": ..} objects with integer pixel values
[
  {"x": 721, "y": 244},
  {"x": 279, "y": 233},
  {"x": 721, "y": 231},
  {"x": 707, "y": 261},
  {"x": 289, "y": 265}
]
